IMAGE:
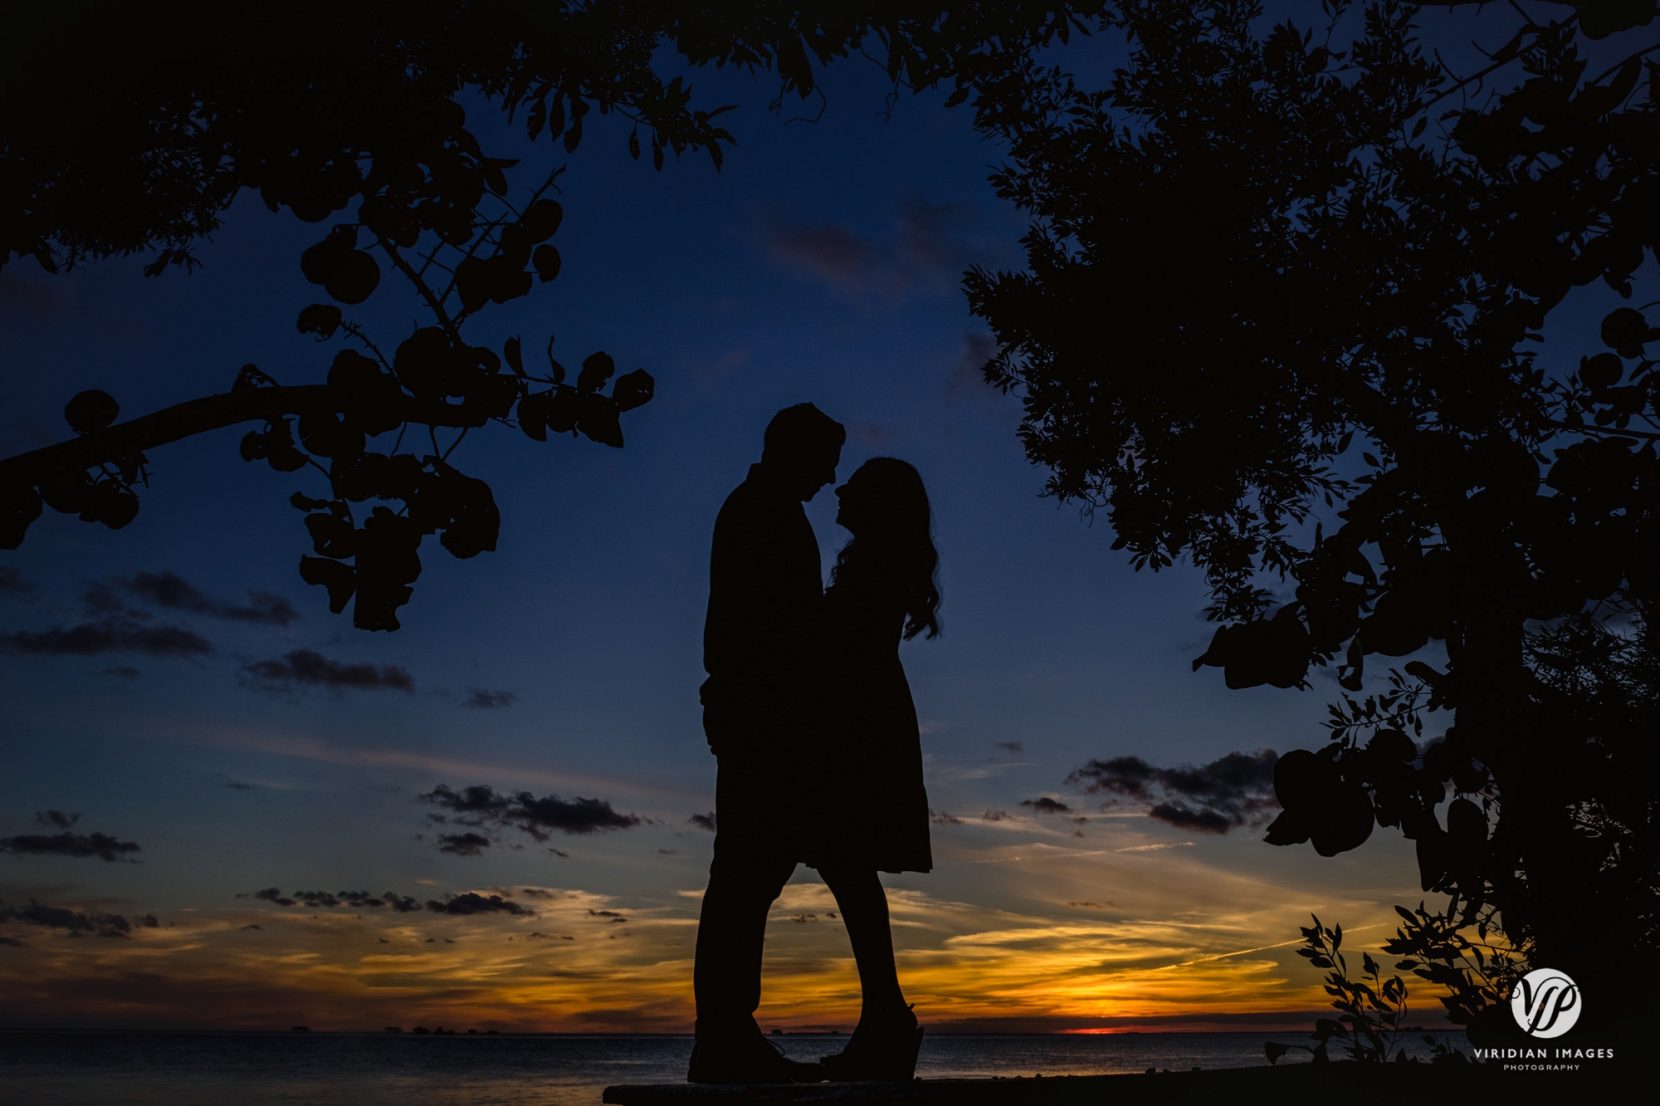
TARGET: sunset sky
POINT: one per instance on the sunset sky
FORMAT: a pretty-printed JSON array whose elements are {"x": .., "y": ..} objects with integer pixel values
[{"x": 175, "y": 686}]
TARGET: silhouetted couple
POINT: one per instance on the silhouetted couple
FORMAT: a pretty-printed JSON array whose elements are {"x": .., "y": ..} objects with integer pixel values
[{"x": 807, "y": 710}]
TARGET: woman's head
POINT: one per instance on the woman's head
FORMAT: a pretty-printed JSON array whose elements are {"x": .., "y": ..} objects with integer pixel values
[{"x": 885, "y": 507}]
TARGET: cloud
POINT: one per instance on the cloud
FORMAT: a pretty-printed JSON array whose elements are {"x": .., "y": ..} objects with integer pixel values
[
  {"x": 610, "y": 915},
  {"x": 174, "y": 592},
  {"x": 121, "y": 672},
  {"x": 920, "y": 251},
  {"x": 481, "y": 807},
  {"x": 944, "y": 818},
  {"x": 109, "y": 635},
  {"x": 471, "y": 902},
  {"x": 481, "y": 699},
  {"x": 463, "y": 844},
  {"x": 57, "y": 917},
  {"x": 1043, "y": 804},
  {"x": 307, "y": 667},
  {"x": 100, "y": 845},
  {"x": 1010, "y": 746},
  {"x": 14, "y": 585},
  {"x": 328, "y": 900},
  {"x": 1234, "y": 790},
  {"x": 703, "y": 821},
  {"x": 57, "y": 818}
]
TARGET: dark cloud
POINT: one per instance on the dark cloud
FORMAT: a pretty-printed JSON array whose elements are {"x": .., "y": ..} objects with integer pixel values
[
  {"x": 578, "y": 815},
  {"x": 471, "y": 902},
  {"x": 307, "y": 667},
  {"x": 560, "y": 853},
  {"x": 14, "y": 585},
  {"x": 58, "y": 819},
  {"x": 328, "y": 900},
  {"x": 109, "y": 635},
  {"x": 995, "y": 815},
  {"x": 253, "y": 925},
  {"x": 241, "y": 785},
  {"x": 1234, "y": 790},
  {"x": 100, "y": 845},
  {"x": 75, "y": 922},
  {"x": 1204, "y": 819},
  {"x": 269, "y": 894},
  {"x": 610, "y": 915},
  {"x": 1010, "y": 746},
  {"x": 13, "y": 941},
  {"x": 463, "y": 844},
  {"x": 944, "y": 818},
  {"x": 1043, "y": 804},
  {"x": 481, "y": 807},
  {"x": 174, "y": 592},
  {"x": 121, "y": 672},
  {"x": 481, "y": 699},
  {"x": 703, "y": 821}
]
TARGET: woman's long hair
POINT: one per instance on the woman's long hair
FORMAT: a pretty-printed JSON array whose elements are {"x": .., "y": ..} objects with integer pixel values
[{"x": 895, "y": 548}]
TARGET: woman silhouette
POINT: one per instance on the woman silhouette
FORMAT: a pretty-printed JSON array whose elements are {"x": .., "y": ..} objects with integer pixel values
[{"x": 872, "y": 811}]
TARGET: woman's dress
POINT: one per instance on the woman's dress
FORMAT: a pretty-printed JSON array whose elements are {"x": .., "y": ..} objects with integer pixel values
[{"x": 868, "y": 805}]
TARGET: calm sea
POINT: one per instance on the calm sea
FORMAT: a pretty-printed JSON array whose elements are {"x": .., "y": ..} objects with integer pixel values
[{"x": 347, "y": 1069}]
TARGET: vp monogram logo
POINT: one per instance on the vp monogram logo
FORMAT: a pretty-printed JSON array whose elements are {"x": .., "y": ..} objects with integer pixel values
[{"x": 1545, "y": 1003}]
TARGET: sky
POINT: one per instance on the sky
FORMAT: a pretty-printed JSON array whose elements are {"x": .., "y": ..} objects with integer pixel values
[{"x": 266, "y": 778}]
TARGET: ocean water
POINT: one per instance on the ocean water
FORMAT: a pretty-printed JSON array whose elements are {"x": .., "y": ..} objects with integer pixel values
[{"x": 370, "y": 1069}]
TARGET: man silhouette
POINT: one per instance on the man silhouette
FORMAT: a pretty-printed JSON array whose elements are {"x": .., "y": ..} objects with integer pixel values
[{"x": 759, "y": 647}]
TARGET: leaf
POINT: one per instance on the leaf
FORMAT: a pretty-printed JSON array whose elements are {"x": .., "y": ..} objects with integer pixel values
[
  {"x": 338, "y": 578},
  {"x": 510, "y": 350},
  {"x": 632, "y": 390},
  {"x": 546, "y": 261},
  {"x": 634, "y": 143},
  {"x": 90, "y": 411},
  {"x": 596, "y": 370},
  {"x": 542, "y": 220},
  {"x": 533, "y": 416}
]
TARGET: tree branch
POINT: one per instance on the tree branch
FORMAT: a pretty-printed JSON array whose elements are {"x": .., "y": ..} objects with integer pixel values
[{"x": 198, "y": 416}]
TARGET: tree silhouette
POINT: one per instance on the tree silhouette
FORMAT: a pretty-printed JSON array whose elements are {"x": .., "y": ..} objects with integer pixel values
[
  {"x": 351, "y": 113},
  {"x": 1282, "y": 315}
]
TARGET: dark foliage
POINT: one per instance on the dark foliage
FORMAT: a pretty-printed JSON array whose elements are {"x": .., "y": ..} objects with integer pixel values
[{"x": 1282, "y": 315}]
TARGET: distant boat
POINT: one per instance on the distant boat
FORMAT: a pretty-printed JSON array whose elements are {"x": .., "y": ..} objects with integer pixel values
[
  {"x": 394, "y": 1029},
  {"x": 299, "y": 1029}
]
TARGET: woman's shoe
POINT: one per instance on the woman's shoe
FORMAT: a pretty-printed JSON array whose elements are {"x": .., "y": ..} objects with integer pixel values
[{"x": 878, "y": 1053}]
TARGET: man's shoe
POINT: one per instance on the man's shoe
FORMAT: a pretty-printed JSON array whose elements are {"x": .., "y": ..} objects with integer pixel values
[
  {"x": 879, "y": 1051},
  {"x": 747, "y": 1058}
]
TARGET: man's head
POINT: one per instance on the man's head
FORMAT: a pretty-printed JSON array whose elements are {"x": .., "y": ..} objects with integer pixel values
[{"x": 802, "y": 447}]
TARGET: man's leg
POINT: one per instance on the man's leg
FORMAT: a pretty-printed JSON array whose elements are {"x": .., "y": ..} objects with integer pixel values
[
  {"x": 745, "y": 877},
  {"x": 731, "y": 935}
]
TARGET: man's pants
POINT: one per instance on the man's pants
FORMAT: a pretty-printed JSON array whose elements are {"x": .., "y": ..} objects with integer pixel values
[{"x": 754, "y": 858}]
